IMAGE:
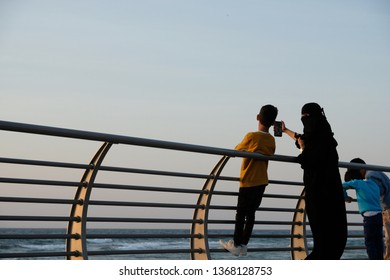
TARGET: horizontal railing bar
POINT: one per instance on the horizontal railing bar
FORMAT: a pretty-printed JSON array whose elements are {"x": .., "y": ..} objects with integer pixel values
[
  {"x": 38, "y": 254},
  {"x": 130, "y": 235},
  {"x": 180, "y": 190},
  {"x": 351, "y": 247},
  {"x": 355, "y": 247},
  {"x": 229, "y": 193},
  {"x": 40, "y": 182},
  {"x": 131, "y": 170},
  {"x": 153, "y": 172},
  {"x": 178, "y": 251},
  {"x": 141, "y": 220},
  {"x": 127, "y": 187},
  {"x": 257, "y": 235},
  {"x": 40, "y": 200},
  {"x": 355, "y": 224},
  {"x": 141, "y": 235},
  {"x": 175, "y": 236},
  {"x": 146, "y": 188},
  {"x": 353, "y": 165},
  {"x": 38, "y": 218},
  {"x": 176, "y": 174},
  {"x": 45, "y": 163},
  {"x": 361, "y": 235},
  {"x": 289, "y": 183},
  {"x": 123, "y": 235},
  {"x": 144, "y": 204},
  {"x": 264, "y": 249},
  {"x": 39, "y": 236},
  {"x": 256, "y": 222},
  {"x": 142, "y": 252},
  {"x": 186, "y": 175},
  {"x": 178, "y": 221},
  {"x": 269, "y": 209},
  {"x": 191, "y": 206},
  {"x": 281, "y": 196},
  {"x": 135, "y": 141},
  {"x": 352, "y": 235}
]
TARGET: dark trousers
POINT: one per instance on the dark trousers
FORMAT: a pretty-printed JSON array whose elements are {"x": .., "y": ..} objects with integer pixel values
[
  {"x": 249, "y": 199},
  {"x": 373, "y": 235}
]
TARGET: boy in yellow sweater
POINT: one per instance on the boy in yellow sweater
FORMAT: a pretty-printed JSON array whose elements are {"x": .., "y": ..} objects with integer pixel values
[{"x": 253, "y": 180}]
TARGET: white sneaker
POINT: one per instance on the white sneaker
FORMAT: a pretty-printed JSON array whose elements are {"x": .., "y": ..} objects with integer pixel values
[
  {"x": 229, "y": 246},
  {"x": 243, "y": 250}
]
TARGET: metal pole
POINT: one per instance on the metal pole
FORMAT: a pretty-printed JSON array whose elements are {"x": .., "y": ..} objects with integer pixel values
[
  {"x": 80, "y": 210},
  {"x": 199, "y": 245},
  {"x": 299, "y": 229}
]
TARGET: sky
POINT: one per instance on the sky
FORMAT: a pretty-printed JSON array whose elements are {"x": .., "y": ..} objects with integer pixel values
[{"x": 195, "y": 72}]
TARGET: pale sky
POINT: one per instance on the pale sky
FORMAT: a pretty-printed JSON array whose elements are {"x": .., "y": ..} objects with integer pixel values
[{"x": 197, "y": 71}]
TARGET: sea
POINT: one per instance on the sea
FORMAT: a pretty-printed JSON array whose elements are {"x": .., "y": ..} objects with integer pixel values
[{"x": 135, "y": 244}]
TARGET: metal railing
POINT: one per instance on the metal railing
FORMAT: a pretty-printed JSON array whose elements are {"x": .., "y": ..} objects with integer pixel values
[{"x": 143, "y": 204}]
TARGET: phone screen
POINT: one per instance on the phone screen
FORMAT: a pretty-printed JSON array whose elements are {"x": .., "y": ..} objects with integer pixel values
[{"x": 278, "y": 129}]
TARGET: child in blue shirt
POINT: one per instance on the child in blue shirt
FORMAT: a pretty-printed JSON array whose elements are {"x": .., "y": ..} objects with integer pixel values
[
  {"x": 383, "y": 182},
  {"x": 368, "y": 199}
]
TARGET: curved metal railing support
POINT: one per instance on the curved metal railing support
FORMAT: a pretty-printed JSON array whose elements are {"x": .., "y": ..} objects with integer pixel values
[
  {"x": 77, "y": 226},
  {"x": 199, "y": 236},
  {"x": 298, "y": 230}
]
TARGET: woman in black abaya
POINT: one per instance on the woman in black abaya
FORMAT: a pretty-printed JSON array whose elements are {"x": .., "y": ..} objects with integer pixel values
[{"x": 325, "y": 205}]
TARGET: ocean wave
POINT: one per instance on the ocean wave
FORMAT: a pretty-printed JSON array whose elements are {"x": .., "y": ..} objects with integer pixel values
[
  {"x": 100, "y": 241},
  {"x": 43, "y": 247}
]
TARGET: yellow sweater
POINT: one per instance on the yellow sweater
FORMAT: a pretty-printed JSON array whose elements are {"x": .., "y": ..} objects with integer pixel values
[{"x": 253, "y": 171}]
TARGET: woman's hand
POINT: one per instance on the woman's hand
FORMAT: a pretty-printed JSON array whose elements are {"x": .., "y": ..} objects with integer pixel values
[
  {"x": 301, "y": 143},
  {"x": 284, "y": 128}
]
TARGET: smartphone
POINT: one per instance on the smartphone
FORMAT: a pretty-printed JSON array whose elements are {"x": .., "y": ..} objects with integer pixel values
[{"x": 278, "y": 129}]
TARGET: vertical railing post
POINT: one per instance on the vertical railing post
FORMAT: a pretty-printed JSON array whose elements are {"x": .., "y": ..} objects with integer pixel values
[
  {"x": 78, "y": 214},
  {"x": 299, "y": 229},
  {"x": 199, "y": 236}
]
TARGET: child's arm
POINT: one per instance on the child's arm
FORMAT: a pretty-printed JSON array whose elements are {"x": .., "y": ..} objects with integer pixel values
[
  {"x": 243, "y": 146},
  {"x": 347, "y": 186}
]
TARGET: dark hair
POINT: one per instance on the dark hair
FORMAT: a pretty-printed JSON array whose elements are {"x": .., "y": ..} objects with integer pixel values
[
  {"x": 358, "y": 160},
  {"x": 268, "y": 115},
  {"x": 355, "y": 170},
  {"x": 352, "y": 174}
]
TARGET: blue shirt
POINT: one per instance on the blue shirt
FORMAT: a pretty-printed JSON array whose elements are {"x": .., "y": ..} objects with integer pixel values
[{"x": 367, "y": 194}]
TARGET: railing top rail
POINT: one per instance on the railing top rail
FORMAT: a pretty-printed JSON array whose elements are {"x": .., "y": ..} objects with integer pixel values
[
  {"x": 129, "y": 140},
  {"x": 145, "y": 142}
]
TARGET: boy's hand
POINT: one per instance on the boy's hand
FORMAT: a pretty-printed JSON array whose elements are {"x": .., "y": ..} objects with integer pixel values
[{"x": 348, "y": 199}]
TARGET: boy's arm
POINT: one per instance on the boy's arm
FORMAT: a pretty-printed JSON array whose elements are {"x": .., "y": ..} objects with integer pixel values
[
  {"x": 353, "y": 184},
  {"x": 244, "y": 143},
  {"x": 347, "y": 186}
]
